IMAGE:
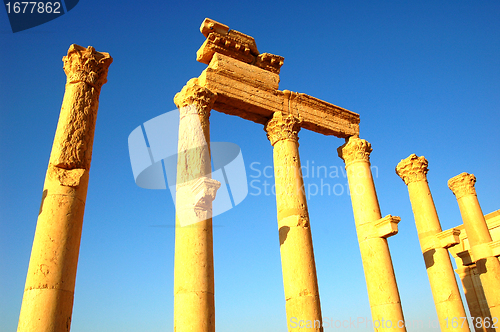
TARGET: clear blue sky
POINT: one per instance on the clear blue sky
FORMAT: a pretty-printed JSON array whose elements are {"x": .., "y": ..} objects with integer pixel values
[{"x": 423, "y": 75}]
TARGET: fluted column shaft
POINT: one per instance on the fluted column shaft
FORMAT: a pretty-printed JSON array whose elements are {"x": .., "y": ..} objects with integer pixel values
[
  {"x": 381, "y": 283},
  {"x": 194, "y": 308},
  {"x": 488, "y": 266},
  {"x": 413, "y": 170},
  {"x": 50, "y": 284},
  {"x": 297, "y": 256}
]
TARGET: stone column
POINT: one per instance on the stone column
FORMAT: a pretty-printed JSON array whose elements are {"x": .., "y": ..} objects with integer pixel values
[
  {"x": 50, "y": 284},
  {"x": 297, "y": 256},
  {"x": 474, "y": 294},
  {"x": 434, "y": 243},
  {"x": 488, "y": 266},
  {"x": 194, "y": 308},
  {"x": 373, "y": 231}
]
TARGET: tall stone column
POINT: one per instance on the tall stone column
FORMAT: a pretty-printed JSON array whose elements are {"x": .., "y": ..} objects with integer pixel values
[
  {"x": 303, "y": 308},
  {"x": 488, "y": 266},
  {"x": 434, "y": 243},
  {"x": 373, "y": 231},
  {"x": 194, "y": 308},
  {"x": 50, "y": 284}
]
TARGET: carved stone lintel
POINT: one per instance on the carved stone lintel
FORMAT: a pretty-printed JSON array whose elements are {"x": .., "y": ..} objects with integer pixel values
[
  {"x": 462, "y": 185},
  {"x": 355, "y": 149},
  {"x": 220, "y": 39},
  {"x": 193, "y": 94},
  {"x": 412, "y": 169},
  {"x": 282, "y": 127},
  {"x": 269, "y": 62},
  {"x": 86, "y": 65}
]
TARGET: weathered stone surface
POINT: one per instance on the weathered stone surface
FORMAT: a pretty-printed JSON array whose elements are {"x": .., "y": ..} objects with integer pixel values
[
  {"x": 50, "y": 283},
  {"x": 194, "y": 94},
  {"x": 243, "y": 82},
  {"x": 469, "y": 272},
  {"x": 355, "y": 150},
  {"x": 282, "y": 127},
  {"x": 252, "y": 93},
  {"x": 86, "y": 72},
  {"x": 299, "y": 275},
  {"x": 479, "y": 237},
  {"x": 194, "y": 306},
  {"x": 462, "y": 185},
  {"x": 372, "y": 231},
  {"x": 236, "y": 45},
  {"x": 246, "y": 83},
  {"x": 433, "y": 242},
  {"x": 412, "y": 169}
]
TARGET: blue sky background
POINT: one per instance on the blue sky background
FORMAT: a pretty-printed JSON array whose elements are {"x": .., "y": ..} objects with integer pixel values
[{"x": 423, "y": 75}]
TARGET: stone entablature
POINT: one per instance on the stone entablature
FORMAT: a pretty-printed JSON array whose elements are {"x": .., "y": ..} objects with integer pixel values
[
  {"x": 461, "y": 252},
  {"x": 246, "y": 83}
]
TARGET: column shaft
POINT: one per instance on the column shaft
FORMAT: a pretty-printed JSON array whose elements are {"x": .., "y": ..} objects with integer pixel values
[
  {"x": 488, "y": 266},
  {"x": 381, "y": 283},
  {"x": 50, "y": 284},
  {"x": 194, "y": 307},
  {"x": 413, "y": 170},
  {"x": 478, "y": 307},
  {"x": 297, "y": 256}
]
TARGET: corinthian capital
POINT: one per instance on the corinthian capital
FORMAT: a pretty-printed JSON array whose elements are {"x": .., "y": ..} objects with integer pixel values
[
  {"x": 356, "y": 149},
  {"x": 194, "y": 94},
  {"x": 86, "y": 65},
  {"x": 462, "y": 185},
  {"x": 282, "y": 127},
  {"x": 413, "y": 169}
]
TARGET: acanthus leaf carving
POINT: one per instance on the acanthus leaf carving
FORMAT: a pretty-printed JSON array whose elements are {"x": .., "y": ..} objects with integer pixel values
[
  {"x": 413, "y": 169},
  {"x": 194, "y": 94},
  {"x": 355, "y": 149},
  {"x": 462, "y": 185},
  {"x": 283, "y": 127},
  {"x": 86, "y": 65}
]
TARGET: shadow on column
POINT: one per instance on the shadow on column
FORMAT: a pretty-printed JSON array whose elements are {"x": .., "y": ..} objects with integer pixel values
[{"x": 283, "y": 234}]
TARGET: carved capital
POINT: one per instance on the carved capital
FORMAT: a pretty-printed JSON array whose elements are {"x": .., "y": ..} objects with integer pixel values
[
  {"x": 355, "y": 149},
  {"x": 282, "y": 127},
  {"x": 462, "y": 185},
  {"x": 194, "y": 94},
  {"x": 413, "y": 169},
  {"x": 86, "y": 65}
]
